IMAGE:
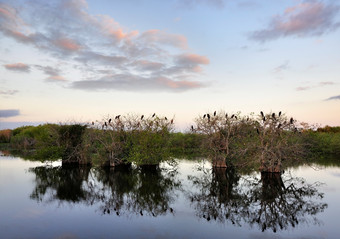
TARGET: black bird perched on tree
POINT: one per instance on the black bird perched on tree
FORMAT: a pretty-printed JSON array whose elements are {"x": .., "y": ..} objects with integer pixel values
[
  {"x": 192, "y": 128},
  {"x": 235, "y": 117},
  {"x": 105, "y": 124},
  {"x": 166, "y": 118},
  {"x": 153, "y": 115},
  {"x": 204, "y": 116},
  {"x": 208, "y": 116},
  {"x": 215, "y": 113},
  {"x": 279, "y": 113},
  {"x": 109, "y": 121},
  {"x": 264, "y": 118},
  {"x": 141, "y": 212},
  {"x": 273, "y": 116},
  {"x": 291, "y": 120},
  {"x": 232, "y": 116},
  {"x": 262, "y": 114},
  {"x": 142, "y": 117},
  {"x": 226, "y": 115},
  {"x": 172, "y": 121}
]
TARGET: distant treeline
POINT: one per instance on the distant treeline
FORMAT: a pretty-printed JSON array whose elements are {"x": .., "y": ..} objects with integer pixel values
[{"x": 264, "y": 141}]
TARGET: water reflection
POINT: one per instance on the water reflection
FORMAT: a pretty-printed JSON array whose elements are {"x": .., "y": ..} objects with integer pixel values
[
  {"x": 113, "y": 191},
  {"x": 272, "y": 201}
]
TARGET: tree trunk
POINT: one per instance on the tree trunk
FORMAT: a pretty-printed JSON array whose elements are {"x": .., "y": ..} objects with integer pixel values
[{"x": 219, "y": 161}]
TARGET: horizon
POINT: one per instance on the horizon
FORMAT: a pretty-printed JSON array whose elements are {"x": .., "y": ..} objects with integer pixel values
[{"x": 78, "y": 60}]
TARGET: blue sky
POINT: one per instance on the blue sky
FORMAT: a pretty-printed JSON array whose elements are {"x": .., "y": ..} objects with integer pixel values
[{"x": 66, "y": 61}]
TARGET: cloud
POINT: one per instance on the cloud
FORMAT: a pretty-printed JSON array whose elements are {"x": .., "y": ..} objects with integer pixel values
[
  {"x": 309, "y": 18},
  {"x": 54, "y": 74},
  {"x": 302, "y": 88},
  {"x": 98, "y": 44},
  {"x": 192, "y": 3},
  {"x": 161, "y": 37},
  {"x": 9, "y": 113},
  {"x": 8, "y": 92},
  {"x": 323, "y": 83},
  {"x": 67, "y": 44},
  {"x": 337, "y": 97},
  {"x": 282, "y": 67},
  {"x": 248, "y": 4},
  {"x": 320, "y": 84},
  {"x": 128, "y": 82},
  {"x": 19, "y": 67}
]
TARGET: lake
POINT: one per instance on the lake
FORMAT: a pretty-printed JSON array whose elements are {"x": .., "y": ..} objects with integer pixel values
[{"x": 187, "y": 200}]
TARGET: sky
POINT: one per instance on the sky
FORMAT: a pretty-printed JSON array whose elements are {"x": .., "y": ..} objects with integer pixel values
[{"x": 81, "y": 61}]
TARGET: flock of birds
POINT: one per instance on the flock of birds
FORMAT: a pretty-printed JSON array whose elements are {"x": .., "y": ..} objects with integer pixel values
[
  {"x": 117, "y": 117},
  {"x": 233, "y": 116}
]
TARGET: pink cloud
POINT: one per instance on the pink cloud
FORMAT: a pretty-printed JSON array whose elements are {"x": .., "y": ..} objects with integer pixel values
[
  {"x": 179, "y": 84},
  {"x": 193, "y": 59},
  {"x": 18, "y": 67},
  {"x": 56, "y": 78},
  {"x": 158, "y": 36},
  {"x": 67, "y": 44},
  {"x": 305, "y": 19},
  {"x": 98, "y": 41}
]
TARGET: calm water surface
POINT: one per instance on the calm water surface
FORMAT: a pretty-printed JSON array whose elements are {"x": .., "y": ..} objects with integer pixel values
[{"x": 41, "y": 200}]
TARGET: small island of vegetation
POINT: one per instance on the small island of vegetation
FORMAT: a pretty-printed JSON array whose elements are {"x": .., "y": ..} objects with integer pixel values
[{"x": 266, "y": 142}]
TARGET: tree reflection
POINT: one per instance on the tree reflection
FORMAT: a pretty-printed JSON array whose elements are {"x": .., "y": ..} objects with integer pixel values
[
  {"x": 119, "y": 191},
  {"x": 271, "y": 202},
  {"x": 59, "y": 183}
]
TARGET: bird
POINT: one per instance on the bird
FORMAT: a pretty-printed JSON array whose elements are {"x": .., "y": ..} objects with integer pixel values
[
  {"x": 109, "y": 121},
  {"x": 235, "y": 117},
  {"x": 108, "y": 211},
  {"x": 226, "y": 115},
  {"x": 92, "y": 123},
  {"x": 279, "y": 113},
  {"x": 141, "y": 212},
  {"x": 142, "y": 117},
  {"x": 264, "y": 118},
  {"x": 291, "y": 120},
  {"x": 171, "y": 210},
  {"x": 204, "y": 116},
  {"x": 262, "y": 114},
  {"x": 247, "y": 118},
  {"x": 279, "y": 126},
  {"x": 208, "y": 116},
  {"x": 105, "y": 124},
  {"x": 273, "y": 116},
  {"x": 257, "y": 130},
  {"x": 172, "y": 121},
  {"x": 153, "y": 115},
  {"x": 215, "y": 113},
  {"x": 166, "y": 118},
  {"x": 232, "y": 116},
  {"x": 192, "y": 128},
  {"x": 118, "y": 116}
]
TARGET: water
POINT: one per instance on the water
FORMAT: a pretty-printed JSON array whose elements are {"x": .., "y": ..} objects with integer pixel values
[{"x": 40, "y": 200}]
